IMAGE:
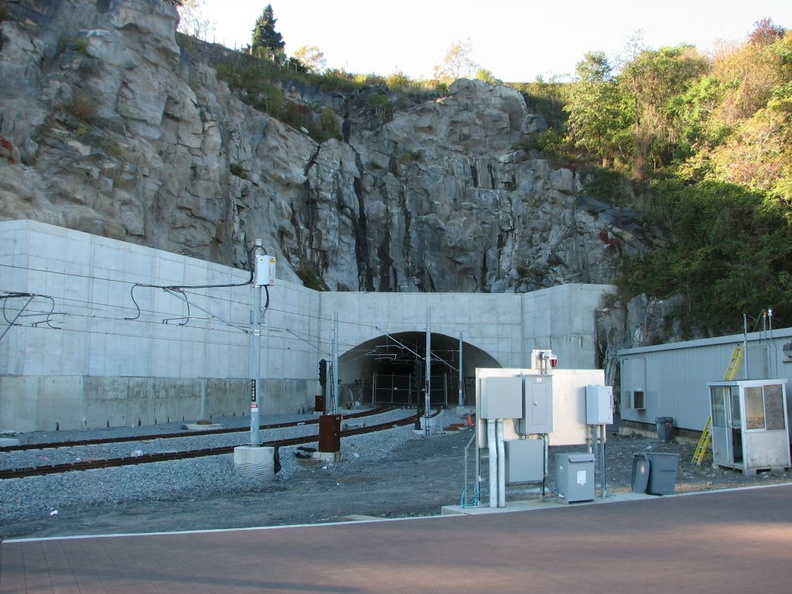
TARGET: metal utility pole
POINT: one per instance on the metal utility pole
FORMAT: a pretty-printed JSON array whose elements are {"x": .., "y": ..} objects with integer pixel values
[
  {"x": 255, "y": 349},
  {"x": 335, "y": 386},
  {"x": 461, "y": 398},
  {"x": 428, "y": 372}
]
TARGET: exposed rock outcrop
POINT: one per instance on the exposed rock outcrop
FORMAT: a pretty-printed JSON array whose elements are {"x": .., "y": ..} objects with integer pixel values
[{"x": 108, "y": 126}]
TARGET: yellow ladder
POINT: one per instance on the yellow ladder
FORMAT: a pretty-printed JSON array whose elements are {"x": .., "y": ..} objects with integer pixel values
[
  {"x": 703, "y": 443},
  {"x": 734, "y": 364},
  {"x": 706, "y": 434}
]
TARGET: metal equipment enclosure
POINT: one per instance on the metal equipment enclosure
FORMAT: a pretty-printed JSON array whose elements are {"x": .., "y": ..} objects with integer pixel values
[
  {"x": 521, "y": 412},
  {"x": 750, "y": 431}
]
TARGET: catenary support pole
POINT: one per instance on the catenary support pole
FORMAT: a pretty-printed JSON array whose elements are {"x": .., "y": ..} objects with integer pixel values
[
  {"x": 255, "y": 352},
  {"x": 461, "y": 398},
  {"x": 428, "y": 371},
  {"x": 335, "y": 393}
]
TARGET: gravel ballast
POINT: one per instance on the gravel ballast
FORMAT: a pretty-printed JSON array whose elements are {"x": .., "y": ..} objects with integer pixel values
[
  {"x": 394, "y": 473},
  {"x": 204, "y": 477}
]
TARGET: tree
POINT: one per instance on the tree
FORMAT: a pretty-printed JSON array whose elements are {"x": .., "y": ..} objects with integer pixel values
[
  {"x": 192, "y": 21},
  {"x": 653, "y": 80},
  {"x": 765, "y": 32},
  {"x": 458, "y": 63},
  {"x": 487, "y": 76},
  {"x": 312, "y": 58},
  {"x": 599, "y": 117},
  {"x": 267, "y": 42}
]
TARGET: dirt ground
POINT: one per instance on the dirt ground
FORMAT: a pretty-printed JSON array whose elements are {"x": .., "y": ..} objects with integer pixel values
[{"x": 418, "y": 479}]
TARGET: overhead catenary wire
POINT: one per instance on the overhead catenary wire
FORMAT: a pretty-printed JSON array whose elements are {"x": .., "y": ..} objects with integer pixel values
[
  {"x": 182, "y": 288},
  {"x": 21, "y": 313}
]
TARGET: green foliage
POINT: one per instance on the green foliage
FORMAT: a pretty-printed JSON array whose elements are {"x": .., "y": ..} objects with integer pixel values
[
  {"x": 607, "y": 185},
  {"x": 380, "y": 103},
  {"x": 336, "y": 80},
  {"x": 652, "y": 81},
  {"x": 600, "y": 114},
  {"x": 487, "y": 76},
  {"x": 398, "y": 81},
  {"x": 324, "y": 126},
  {"x": 81, "y": 105},
  {"x": 552, "y": 144},
  {"x": 73, "y": 44},
  {"x": 253, "y": 79},
  {"x": 238, "y": 171},
  {"x": 732, "y": 253},
  {"x": 311, "y": 278},
  {"x": 545, "y": 98},
  {"x": 409, "y": 157},
  {"x": 257, "y": 82}
]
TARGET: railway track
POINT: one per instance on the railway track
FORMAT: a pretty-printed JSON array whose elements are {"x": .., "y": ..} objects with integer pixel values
[
  {"x": 197, "y": 453},
  {"x": 174, "y": 435}
]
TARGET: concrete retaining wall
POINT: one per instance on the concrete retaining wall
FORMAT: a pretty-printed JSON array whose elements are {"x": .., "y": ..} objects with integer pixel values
[{"x": 100, "y": 339}]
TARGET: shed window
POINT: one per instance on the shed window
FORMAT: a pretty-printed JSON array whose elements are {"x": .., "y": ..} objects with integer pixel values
[
  {"x": 774, "y": 407},
  {"x": 754, "y": 408},
  {"x": 718, "y": 406},
  {"x": 734, "y": 391}
]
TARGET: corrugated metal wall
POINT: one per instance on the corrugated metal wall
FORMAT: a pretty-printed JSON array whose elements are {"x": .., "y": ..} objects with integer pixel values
[{"x": 673, "y": 377}]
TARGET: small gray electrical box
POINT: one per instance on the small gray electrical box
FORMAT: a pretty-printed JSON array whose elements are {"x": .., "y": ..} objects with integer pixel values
[
  {"x": 501, "y": 397},
  {"x": 265, "y": 271},
  {"x": 599, "y": 405},
  {"x": 574, "y": 477}
]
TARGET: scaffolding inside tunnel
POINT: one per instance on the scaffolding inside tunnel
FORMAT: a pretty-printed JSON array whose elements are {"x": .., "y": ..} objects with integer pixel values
[{"x": 401, "y": 390}]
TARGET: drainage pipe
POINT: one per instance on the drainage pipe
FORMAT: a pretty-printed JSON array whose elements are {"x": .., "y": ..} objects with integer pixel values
[{"x": 493, "y": 463}]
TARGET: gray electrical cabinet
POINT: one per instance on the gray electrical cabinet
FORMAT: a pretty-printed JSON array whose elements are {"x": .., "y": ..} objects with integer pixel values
[
  {"x": 599, "y": 405},
  {"x": 501, "y": 397},
  {"x": 537, "y": 416},
  {"x": 525, "y": 460},
  {"x": 574, "y": 477}
]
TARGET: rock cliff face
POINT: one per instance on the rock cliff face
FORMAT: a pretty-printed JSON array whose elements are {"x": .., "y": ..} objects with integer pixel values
[{"x": 109, "y": 127}]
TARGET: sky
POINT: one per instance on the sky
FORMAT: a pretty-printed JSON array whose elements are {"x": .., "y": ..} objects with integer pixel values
[{"x": 516, "y": 40}]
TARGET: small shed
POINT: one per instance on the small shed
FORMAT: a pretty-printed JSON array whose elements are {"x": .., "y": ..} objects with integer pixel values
[{"x": 750, "y": 430}]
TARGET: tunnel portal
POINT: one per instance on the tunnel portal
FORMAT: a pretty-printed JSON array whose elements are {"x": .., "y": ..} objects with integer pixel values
[{"x": 391, "y": 369}]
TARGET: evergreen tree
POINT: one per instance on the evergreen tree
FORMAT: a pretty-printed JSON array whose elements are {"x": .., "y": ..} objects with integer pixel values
[{"x": 267, "y": 42}]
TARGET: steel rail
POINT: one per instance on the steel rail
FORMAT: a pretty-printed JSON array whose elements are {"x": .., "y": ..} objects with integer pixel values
[
  {"x": 198, "y": 433},
  {"x": 170, "y": 456}
]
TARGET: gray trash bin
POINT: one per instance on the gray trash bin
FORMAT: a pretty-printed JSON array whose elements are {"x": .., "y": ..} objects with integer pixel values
[
  {"x": 665, "y": 426},
  {"x": 640, "y": 473},
  {"x": 662, "y": 473}
]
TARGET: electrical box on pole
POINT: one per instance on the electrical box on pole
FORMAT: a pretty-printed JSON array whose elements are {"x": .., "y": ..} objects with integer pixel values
[
  {"x": 599, "y": 405},
  {"x": 264, "y": 271}
]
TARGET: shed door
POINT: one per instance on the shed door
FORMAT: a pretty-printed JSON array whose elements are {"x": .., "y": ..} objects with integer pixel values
[{"x": 720, "y": 397}]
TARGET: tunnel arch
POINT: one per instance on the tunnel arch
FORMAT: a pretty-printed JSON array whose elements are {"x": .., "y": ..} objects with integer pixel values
[{"x": 389, "y": 369}]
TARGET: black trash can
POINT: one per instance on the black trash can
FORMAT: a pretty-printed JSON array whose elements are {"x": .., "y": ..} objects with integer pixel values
[
  {"x": 662, "y": 473},
  {"x": 665, "y": 426},
  {"x": 640, "y": 473}
]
